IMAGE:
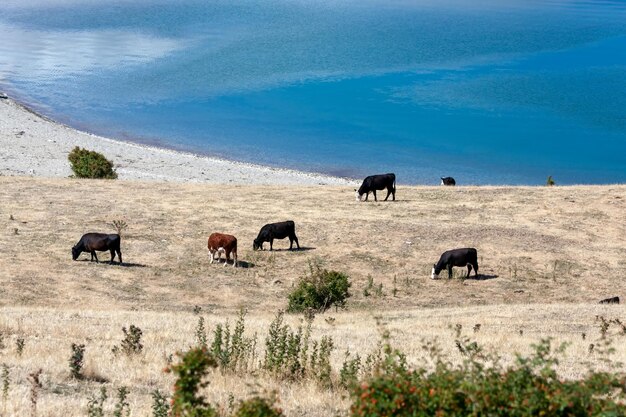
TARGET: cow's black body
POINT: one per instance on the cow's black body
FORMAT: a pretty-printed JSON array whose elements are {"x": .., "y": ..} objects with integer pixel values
[
  {"x": 378, "y": 182},
  {"x": 457, "y": 257},
  {"x": 272, "y": 231},
  {"x": 92, "y": 242},
  {"x": 612, "y": 300},
  {"x": 448, "y": 181}
]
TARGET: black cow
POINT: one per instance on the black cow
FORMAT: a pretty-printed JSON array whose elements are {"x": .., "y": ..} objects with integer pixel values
[
  {"x": 457, "y": 257},
  {"x": 377, "y": 182},
  {"x": 447, "y": 181},
  {"x": 612, "y": 300},
  {"x": 272, "y": 231},
  {"x": 92, "y": 242}
]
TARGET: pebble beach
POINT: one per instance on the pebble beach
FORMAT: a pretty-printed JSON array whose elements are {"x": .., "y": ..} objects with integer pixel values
[{"x": 34, "y": 145}]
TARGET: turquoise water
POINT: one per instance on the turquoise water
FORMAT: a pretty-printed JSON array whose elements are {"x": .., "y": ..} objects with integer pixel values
[{"x": 496, "y": 92}]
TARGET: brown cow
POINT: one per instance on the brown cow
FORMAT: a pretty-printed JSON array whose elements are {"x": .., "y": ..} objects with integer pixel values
[{"x": 219, "y": 243}]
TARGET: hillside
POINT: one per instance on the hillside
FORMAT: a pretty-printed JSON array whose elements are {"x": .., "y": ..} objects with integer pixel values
[
  {"x": 535, "y": 244},
  {"x": 546, "y": 256}
]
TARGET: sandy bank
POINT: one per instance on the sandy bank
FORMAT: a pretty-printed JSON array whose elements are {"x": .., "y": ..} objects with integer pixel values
[{"x": 31, "y": 145}]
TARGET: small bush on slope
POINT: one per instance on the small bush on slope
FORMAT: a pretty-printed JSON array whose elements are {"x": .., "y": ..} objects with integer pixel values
[{"x": 90, "y": 164}]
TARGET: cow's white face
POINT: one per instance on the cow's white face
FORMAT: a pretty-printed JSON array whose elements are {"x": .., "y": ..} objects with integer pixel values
[
  {"x": 433, "y": 275},
  {"x": 357, "y": 195}
]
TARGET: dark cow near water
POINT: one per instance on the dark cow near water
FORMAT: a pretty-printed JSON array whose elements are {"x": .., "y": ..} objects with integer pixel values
[
  {"x": 219, "y": 243},
  {"x": 447, "y": 181},
  {"x": 457, "y": 257},
  {"x": 377, "y": 182},
  {"x": 92, "y": 242},
  {"x": 272, "y": 231}
]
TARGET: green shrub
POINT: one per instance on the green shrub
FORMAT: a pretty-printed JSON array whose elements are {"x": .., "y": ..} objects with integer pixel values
[
  {"x": 290, "y": 355},
  {"x": 319, "y": 290},
  {"x": 258, "y": 407},
  {"x": 232, "y": 351},
  {"x": 95, "y": 405},
  {"x": 550, "y": 182},
  {"x": 131, "y": 343},
  {"x": 160, "y": 406},
  {"x": 122, "y": 407},
  {"x": 481, "y": 387},
  {"x": 76, "y": 360},
  {"x": 190, "y": 372},
  {"x": 90, "y": 164}
]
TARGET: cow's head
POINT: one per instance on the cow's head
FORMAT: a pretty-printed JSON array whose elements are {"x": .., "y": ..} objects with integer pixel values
[
  {"x": 256, "y": 245},
  {"x": 434, "y": 273},
  {"x": 357, "y": 195},
  {"x": 75, "y": 253}
]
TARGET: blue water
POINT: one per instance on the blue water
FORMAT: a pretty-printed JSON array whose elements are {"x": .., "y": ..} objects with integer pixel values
[{"x": 489, "y": 92}]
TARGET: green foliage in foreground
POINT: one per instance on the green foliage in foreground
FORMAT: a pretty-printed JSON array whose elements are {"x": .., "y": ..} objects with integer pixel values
[
  {"x": 191, "y": 372},
  {"x": 481, "y": 387},
  {"x": 319, "y": 290},
  {"x": 258, "y": 407},
  {"x": 90, "y": 164}
]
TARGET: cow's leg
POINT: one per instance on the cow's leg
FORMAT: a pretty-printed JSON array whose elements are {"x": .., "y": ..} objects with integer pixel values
[
  {"x": 112, "y": 255},
  {"x": 469, "y": 269},
  {"x": 374, "y": 191},
  {"x": 475, "y": 265},
  {"x": 366, "y": 196},
  {"x": 119, "y": 255},
  {"x": 271, "y": 244},
  {"x": 449, "y": 271},
  {"x": 227, "y": 254},
  {"x": 234, "y": 259},
  {"x": 93, "y": 255},
  {"x": 211, "y": 256},
  {"x": 393, "y": 193},
  {"x": 388, "y": 192},
  {"x": 296, "y": 239}
]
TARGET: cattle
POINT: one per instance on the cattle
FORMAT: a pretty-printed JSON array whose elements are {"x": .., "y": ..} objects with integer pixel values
[
  {"x": 612, "y": 300},
  {"x": 377, "y": 182},
  {"x": 456, "y": 257},
  {"x": 220, "y": 243},
  {"x": 272, "y": 231},
  {"x": 92, "y": 242},
  {"x": 447, "y": 181}
]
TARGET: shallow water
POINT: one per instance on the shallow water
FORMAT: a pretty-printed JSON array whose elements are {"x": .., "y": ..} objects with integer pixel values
[{"x": 496, "y": 92}]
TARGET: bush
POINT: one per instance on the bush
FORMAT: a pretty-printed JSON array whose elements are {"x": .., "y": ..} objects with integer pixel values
[
  {"x": 76, "y": 360},
  {"x": 550, "y": 181},
  {"x": 90, "y": 164},
  {"x": 190, "y": 372},
  {"x": 258, "y": 407},
  {"x": 319, "y": 290},
  {"x": 530, "y": 387}
]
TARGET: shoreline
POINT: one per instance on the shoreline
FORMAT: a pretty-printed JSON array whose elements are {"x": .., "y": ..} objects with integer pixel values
[{"x": 32, "y": 144}]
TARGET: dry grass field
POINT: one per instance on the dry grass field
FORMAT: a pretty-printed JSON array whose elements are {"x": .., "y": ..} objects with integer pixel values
[{"x": 546, "y": 256}]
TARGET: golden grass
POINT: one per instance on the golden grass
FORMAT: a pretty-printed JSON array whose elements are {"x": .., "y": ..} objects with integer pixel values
[{"x": 547, "y": 255}]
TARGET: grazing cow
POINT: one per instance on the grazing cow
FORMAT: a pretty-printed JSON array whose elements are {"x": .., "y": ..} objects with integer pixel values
[
  {"x": 272, "y": 231},
  {"x": 219, "y": 243},
  {"x": 447, "y": 181},
  {"x": 457, "y": 257},
  {"x": 612, "y": 300},
  {"x": 377, "y": 182},
  {"x": 92, "y": 242}
]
